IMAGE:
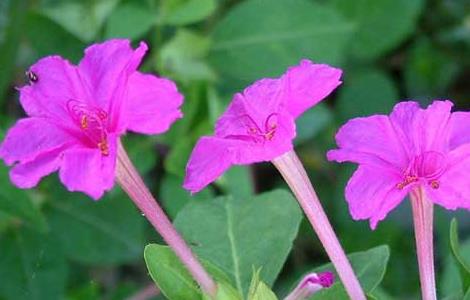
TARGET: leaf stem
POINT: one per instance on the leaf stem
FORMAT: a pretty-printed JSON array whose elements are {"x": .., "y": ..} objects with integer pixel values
[
  {"x": 423, "y": 223},
  {"x": 130, "y": 181},
  {"x": 294, "y": 174}
]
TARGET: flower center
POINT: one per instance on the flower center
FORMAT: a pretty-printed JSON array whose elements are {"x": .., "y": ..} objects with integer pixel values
[
  {"x": 261, "y": 134},
  {"x": 91, "y": 121},
  {"x": 428, "y": 167}
]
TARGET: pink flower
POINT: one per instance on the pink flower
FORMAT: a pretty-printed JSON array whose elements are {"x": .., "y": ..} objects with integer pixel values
[
  {"x": 259, "y": 123},
  {"x": 77, "y": 113},
  {"x": 413, "y": 147},
  {"x": 311, "y": 284}
]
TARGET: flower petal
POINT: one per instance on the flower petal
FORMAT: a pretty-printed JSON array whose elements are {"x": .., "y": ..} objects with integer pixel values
[
  {"x": 209, "y": 160},
  {"x": 27, "y": 175},
  {"x": 250, "y": 109},
  {"x": 454, "y": 185},
  {"x": 30, "y": 137},
  {"x": 460, "y": 125},
  {"x": 372, "y": 193},
  {"x": 88, "y": 171},
  {"x": 105, "y": 70},
  {"x": 370, "y": 141},
  {"x": 153, "y": 104},
  {"x": 57, "y": 83},
  {"x": 307, "y": 84},
  {"x": 431, "y": 128}
]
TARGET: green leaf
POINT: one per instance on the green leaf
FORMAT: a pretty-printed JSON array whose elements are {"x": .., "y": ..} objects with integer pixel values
[
  {"x": 238, "y": 181},
  {"x": 47, "y": 37},
  {"x": 366, "y": 92},
  {"x": 467, "y": 295},
  {"x": 18, "y": 203},
  {"x": 428, "y": 72},
  {"x": 129, "y": 20},
  {"x": 258, "y": 40},
  {"x": 109, "y": 231},
  {"x": 83, "y": 19},
  {"x": 174, "y": 197},
  {"x": 173, "y": 279},
  {"x": 239, "y": 234},
  {"x": 259, "y": 290},
  {"x": 463, "y": 265},
  {"x": 12, "y": 15},
  {"x": 381, "y": 25},
  {"x": 225, "y": 292},
  {"x": 369, "y": 266},
  {"x": 32, "y": 266},
  {"x": 184, "y": 55},
  {"x": 312, "y": 122},
  {"x": 183, "y": 12}
]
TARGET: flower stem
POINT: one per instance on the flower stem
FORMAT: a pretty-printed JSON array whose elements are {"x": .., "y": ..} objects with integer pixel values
[
  {"x": 293, "y": 172},
  {"x": 130, "y": 181},
  {"x": 423, "y": 223}
]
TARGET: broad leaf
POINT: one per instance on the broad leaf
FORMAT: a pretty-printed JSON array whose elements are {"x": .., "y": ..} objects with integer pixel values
[
  {"x": 462, "y": 264},
  {"x": 182, "y": 12},
  {"x": 377, "y": 27},
  {"x": 366, "y": 92},
  {"x": 84, "y": 19},
  {"x": 238, "y": 235},
  {"x": 32, "y": 266},
  {"x": 108, "y": 231},
  {"x": 130, "y": 21},
  {"x": 312, "y": 122},
  {"x": 272, "y": 37},
  {"x": 369, "y": 266},
  {"x": 18, "y": 203},
  {"x": 259, "y": 290}
]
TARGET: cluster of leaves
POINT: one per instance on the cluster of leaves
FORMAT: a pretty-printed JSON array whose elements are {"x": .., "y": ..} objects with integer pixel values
[{"x": 57, "y": 245}]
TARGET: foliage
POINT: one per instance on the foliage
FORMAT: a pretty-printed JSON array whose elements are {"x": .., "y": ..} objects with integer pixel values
[{"x": 59, "y": 245}]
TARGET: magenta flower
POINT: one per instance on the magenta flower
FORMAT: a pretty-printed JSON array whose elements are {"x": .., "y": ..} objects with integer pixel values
[
  {"x": 411, "y": 148},
  {"x": 77, "y": 113},
  {"x": 259, "y": 123},
  {"x": 311, "y": 284}
]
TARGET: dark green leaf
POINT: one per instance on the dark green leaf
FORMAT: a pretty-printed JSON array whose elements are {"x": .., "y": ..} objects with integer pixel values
[
  {"x": 81, "y": 18},
  {"x": 366, "y": 92},
  {"x": 18, "y": 203},
  {"x": 238, "y": 181},
  {"x": 32, "y": 266},
  {"x": 239, "y": 234},
  {"x": 129, "y": 21},
  {"x": 272, "y": 37},
  {"x": 311, "y": 122},
  {"x": 182, "y": 12},
  {"x": 463, "y": 265},
  {"x": 105, "y": 232},
  {"x": 369, "y": 267},
  {"x": 377, "y": 28}
]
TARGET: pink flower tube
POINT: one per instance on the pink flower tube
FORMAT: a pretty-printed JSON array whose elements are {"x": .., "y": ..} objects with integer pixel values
[
  {"x": 258, "y": 126},
  {"x": 424, "y": 153},
  {"x": 76, "y": 115}
]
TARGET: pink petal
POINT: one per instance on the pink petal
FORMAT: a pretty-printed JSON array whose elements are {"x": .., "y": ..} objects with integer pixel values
[
  {"x": 31, "y": 137},
  {"x": 370, "y": 141},
  {"x": 431, "y": 127},
  {"x": 153, "y": 104},
  {"x": 307, "y": 84},
  {"x": 57, "y": 83},
  {"x": 454, "y": 185},
  {"x": 88, "y": 171},
  {"x": 209, "y": 160},
  {"x": 251, "y": 108},
  {"x": 105, "y": 70},
  {"x": 372, "y": 193},
  {"x": 27, "y": 175},
  {"x": 460, "y": 126}
]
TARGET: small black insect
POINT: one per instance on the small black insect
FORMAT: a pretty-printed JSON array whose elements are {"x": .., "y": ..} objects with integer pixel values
[{"x": 32, "y": 76}]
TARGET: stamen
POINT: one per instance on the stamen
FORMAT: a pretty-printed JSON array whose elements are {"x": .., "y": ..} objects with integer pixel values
[
  {"x": 84, "y": 122},
  {"x": 408, "y": 180},
  {"x": 104, "y": 147}
]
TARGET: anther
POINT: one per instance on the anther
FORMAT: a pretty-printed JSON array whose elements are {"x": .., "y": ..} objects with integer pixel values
[
  {"x": 104, "y": 148},
  {"x": 434, "y": 184},
  {"x": 84, "y": 122}
]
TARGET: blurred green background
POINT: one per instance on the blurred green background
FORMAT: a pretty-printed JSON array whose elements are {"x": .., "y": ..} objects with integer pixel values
[{"x": 59, "y": 245}]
